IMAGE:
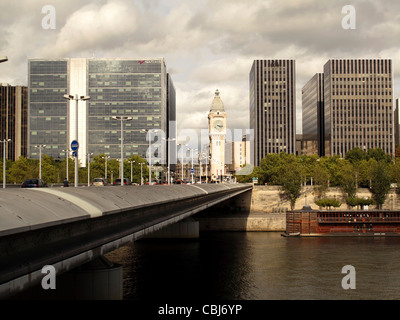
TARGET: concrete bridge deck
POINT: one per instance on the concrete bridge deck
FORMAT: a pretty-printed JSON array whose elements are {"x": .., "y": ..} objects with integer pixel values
[{"x": 67, "y": 227}]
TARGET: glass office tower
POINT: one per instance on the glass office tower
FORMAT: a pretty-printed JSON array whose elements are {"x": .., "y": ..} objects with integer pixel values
[
  {"x": 138, "y": 88},
  {"x": 313, "y": 116}
]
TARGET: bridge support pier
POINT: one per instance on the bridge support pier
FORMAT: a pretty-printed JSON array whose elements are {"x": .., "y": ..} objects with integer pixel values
[
  {"x": 99, "y": 279},
  {"x": 186, "y": 229}
]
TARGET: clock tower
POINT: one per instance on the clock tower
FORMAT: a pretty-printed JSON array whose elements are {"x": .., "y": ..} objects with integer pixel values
[{"x": 217, "y": 135}]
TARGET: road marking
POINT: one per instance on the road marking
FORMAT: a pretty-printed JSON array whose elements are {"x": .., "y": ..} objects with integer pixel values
[
  {"x": 198, "y": 188},
  {"x": 86, "y": 206}
]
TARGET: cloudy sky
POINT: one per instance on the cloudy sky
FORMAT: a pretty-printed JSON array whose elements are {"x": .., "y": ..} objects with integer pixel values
[{"x": 207, "y": 44}]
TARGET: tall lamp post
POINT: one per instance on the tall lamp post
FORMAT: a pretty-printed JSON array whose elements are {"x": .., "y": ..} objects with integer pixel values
[
  {"x": 182, "y": 145},
  {"x": 4, "y": 59},
  {"x": 4, "y": 142},
  {"x": 149, "y": 131},
  {"x": 141, "y": 173},
  {"x": 40, "y": 147},
  {"x": 105, "y": 167},
  {"x": 168, "y": 141},
  {"x": 132, "y": 162},
  {"x": 122, "y": 119},
  {"x": 88, "y": 164},
  {"x": 66, "y": 157},
  {"x": 191, "y": 150},
  {"x": 76, "y": 98}
]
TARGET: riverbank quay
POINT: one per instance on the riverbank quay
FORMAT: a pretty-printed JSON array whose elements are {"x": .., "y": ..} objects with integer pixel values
[{"x": 267, "y": 211}]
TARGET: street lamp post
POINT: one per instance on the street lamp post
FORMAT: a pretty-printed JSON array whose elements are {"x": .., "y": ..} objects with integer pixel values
[
  {"x": 105, "y": 167},
  {"x": 182, "y": 145},
  {"x": 168, "y": 141},
  {"x": 122, "y": 119},
  {"x": 4, "y": 142},
  {"x": 131, "y": 162},
  {"x": 192, "y": 164},
  {"x": 149, "y": 131},
  {"x": 67, "y": 156},
  {"x": 40, "y": 147},
  {"x": 141, "y": 173},
  {"x": 88, "y": 163},
  {"x": 76, "y": 98}
]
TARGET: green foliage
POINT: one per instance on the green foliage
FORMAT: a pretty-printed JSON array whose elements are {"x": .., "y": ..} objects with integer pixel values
[
  {"x": 290, "y": 177},
  {"x": 346, "y": 177},
  {"x": 321, "y": 178},
  {"x": 328, "y": 202},
  {"x": 21, "y": 169},
  {"x": 355, "y": 201},
  {"x": 356, "y": 155},
  {"x": 380, "y": 180}
]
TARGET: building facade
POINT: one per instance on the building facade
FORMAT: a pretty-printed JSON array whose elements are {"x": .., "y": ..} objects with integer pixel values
[
  {"x": 396, "y": 125},
  {"x": 139, "y": 88},
  {"x": 273, "y": 107},
  {"x": 358, "y": 105},
  {"x": 313, "y": 116},
  {"x": 14, "y": 120}
]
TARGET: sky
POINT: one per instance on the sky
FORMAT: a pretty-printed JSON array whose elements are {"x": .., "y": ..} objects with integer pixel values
[{"x": 207, "y": 44}]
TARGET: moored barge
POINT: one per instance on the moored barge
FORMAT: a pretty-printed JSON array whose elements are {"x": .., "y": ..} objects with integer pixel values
[{"x": 309, "y": 222}]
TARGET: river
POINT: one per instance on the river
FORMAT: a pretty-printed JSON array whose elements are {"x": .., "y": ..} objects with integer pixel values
[{"x": 260, "y": 266}]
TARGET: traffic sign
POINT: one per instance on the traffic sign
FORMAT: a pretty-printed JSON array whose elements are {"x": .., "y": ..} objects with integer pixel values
[
  {"x": 191, "y": 170},
  {"x": 74, "y": 153},
  {"x": 74, "y": 145}
]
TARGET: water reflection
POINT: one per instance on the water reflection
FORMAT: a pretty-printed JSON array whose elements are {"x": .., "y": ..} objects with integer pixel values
[{"x": 259, "y": 266}]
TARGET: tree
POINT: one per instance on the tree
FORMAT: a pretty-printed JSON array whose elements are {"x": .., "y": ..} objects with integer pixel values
[
  {"x": 328, "y": 202},
  {"x": 380, "y": 181},
  {"x": 347, "y": 179},
  {"x": 396, "y": 175},
  {"x": 50, "y": 169},
  {"x": 291, "y": 178},
  {"x": 365, "y": 172},
  {"x": 321, "y": 177},
  {"x": 356, "y": 155},
  {"x": 21, "y": 169},
  {"x": 379, "y": 155}
]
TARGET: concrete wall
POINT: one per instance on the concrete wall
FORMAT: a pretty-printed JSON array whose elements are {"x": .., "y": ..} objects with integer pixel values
[{"x": 267, "y": 198}]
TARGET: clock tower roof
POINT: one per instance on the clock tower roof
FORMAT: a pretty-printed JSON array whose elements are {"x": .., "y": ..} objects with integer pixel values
[{"x": 217, "y": 104}]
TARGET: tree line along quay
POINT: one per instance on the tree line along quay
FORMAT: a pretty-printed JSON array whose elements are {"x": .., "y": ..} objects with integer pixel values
[
  {"x": 372, "y": 169},
  {"x": 54, "y": 171}
]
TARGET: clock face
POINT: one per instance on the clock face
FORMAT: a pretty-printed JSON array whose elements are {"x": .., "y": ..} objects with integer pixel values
[{"x": 218, "y": 125}]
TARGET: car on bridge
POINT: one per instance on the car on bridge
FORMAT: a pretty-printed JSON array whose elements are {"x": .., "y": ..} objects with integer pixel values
[
  {"x": 100, "y": 182},
  {"x": 117, "y": 182},
  {"x": 34, "y": 183}
]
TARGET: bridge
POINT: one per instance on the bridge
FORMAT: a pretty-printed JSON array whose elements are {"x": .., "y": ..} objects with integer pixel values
[{"x": 68, "y": 227}]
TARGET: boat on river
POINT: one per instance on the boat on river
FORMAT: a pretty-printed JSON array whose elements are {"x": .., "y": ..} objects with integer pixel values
[{"x": 309, "y": 222}]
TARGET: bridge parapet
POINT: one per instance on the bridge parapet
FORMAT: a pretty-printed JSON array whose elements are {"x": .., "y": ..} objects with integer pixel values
[{"x": 67, "y": 227}]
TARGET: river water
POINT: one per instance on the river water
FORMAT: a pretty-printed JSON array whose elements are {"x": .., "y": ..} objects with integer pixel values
[{"x": 260, "y": 266}]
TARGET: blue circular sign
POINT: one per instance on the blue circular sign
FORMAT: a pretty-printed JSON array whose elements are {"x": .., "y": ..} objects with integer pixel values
[{"x": 74, "y": 145}]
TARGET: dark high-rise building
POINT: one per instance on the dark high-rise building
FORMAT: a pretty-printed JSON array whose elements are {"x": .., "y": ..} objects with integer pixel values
[
  {"x": 358, "y": 105},
  {"x": 138, "y": 88},
  {"x": 313, "y": 116},
  {"x": 396, "y": 125},
  {"x": 273, "y": 107},
  {"x": 13, "y": 120}
]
